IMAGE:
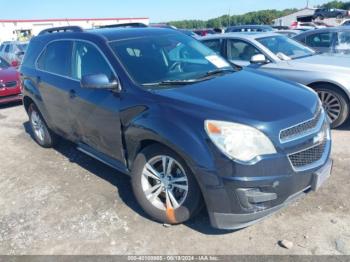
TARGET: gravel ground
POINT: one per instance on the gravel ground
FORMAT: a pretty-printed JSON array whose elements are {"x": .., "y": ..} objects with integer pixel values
[{"x": 60, "y": 201}]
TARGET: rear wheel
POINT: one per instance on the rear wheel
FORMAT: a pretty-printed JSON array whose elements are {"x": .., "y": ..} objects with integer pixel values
[
  {"x": 164, "y": 186},
  {"x": 42, "y": 134},
  {"x": 335, "y": 104}
]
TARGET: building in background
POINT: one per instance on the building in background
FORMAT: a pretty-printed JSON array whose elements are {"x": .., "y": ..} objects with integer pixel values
[
  {"x": 297, "y": 16},
  {"x": 25, "y": 29}
]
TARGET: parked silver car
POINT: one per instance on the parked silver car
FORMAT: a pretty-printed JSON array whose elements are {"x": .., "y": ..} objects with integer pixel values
[
  {"x": 13, "y": 51},
  {"x": 328, "y": 75}
]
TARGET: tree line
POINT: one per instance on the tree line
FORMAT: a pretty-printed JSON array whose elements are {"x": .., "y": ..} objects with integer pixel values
[{"x": 259, "y": 17}]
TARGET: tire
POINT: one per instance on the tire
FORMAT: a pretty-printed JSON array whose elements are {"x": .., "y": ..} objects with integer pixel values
[
  {"x": 319, "y": 17},
  {"x": 340, "y": 17},
  {"x": 335, "y": 103},
  {"x": 41, "y": 133},
  {"x": 185, "y": 206}
]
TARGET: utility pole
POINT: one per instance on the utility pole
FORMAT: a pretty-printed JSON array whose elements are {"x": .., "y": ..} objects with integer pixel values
[{"x": 307, "y": 3}]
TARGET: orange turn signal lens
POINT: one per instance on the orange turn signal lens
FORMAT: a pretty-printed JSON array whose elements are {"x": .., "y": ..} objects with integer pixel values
[{"x": 213, "y": 129}]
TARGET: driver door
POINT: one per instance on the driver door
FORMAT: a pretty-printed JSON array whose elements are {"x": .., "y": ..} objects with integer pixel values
[
  {"x": 95, "y": 111},
  {"x": 240, "y": 52}
]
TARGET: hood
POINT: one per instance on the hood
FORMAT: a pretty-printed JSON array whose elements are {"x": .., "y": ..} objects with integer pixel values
[
  {"x": 247, "y": 97},
  {"x": 324, "y": 63},
  {"x": 9, "y": 74}
]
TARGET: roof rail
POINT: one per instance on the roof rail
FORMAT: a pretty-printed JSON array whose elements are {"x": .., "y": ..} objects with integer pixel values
[
  {"x": 125, "y": 25},
  {"x": 61, "y": 29}
]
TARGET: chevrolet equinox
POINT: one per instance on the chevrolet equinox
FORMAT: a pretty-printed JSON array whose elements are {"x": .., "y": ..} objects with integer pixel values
[{"x": 189, "y": 128}]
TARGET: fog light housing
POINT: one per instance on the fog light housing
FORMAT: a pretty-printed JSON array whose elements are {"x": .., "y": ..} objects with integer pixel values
[{"x": 254, "y": 198}]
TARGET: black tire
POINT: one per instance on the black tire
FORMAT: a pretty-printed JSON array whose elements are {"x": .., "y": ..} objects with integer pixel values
[
  {"x": 340, "y": 16},
  {"x": 320, "y": 17},
  {"x": 192, "y": 202},
  {"x": 47, "y": 139},
  {"x": 343, "y": 102}
]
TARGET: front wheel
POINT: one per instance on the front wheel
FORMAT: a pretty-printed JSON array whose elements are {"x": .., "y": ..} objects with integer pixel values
[
  {"x": 335, "y": 104},
  {"x": 164, "y": 186}
]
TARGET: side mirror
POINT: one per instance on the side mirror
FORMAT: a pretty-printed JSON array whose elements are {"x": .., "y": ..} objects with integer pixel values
[
  {"x": 14, "y": 63},
  {"x": 258, "y": 59},
  {"x": 98, "y": 81}
]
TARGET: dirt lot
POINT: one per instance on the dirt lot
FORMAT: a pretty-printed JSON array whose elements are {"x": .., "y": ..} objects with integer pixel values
[{"x": 59, "y": 201}]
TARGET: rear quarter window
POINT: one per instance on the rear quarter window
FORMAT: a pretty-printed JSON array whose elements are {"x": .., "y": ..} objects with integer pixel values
[{"x": 33, "y": 51}]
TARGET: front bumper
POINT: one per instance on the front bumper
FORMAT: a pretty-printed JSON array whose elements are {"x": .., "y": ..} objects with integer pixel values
[
  {"x": 10, "y": 98},
  {"x": 241, "y": 220}
]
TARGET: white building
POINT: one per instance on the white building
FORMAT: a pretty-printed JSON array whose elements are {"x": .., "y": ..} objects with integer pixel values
[
  {"x": 21, "y": 29},
  {"x": 289, "y": 19}
]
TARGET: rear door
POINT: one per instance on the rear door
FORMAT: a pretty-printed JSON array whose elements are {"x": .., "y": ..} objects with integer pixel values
[
  {"x": 95, "y": 112},
  {"x": 54, "y": 82}
]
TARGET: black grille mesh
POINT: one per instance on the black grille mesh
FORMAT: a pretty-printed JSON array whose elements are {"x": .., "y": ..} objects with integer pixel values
[
  {"x": 11, "y": 84},
  {"x": 301, "y": 129},
  {"x": 308, "y": 156}
]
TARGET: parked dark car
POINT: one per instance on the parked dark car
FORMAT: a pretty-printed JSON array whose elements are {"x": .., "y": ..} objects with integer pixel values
[
  {"x": 249, "y": 28},
  {"x": 322, "y": 13},
  {"x": 188, "y": 128},
  {"x": 327, "y": 40},
  {"x": 10, "y": 86}
]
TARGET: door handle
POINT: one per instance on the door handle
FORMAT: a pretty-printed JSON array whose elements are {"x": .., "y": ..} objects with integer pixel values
[{"x": 72, "y": 93}]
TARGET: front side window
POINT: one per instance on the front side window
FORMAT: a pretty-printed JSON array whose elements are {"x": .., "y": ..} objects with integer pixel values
[
  {"x": 319, "y": 40},
  {"x": 214, "y": 44},
  {"x": 57, "y": 58},
  {"x": 171, "y": 57},
  {"x": 87, "y": 60},
  {"x": 240, "y": 50},
  {"x": 7, "y": 48},
  {"x": 285, "y": 48}
]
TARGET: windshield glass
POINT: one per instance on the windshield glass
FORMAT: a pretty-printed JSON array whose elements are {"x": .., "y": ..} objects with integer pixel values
[
  {"x": 343, "y": 42},
  {"x": 171, "y": 57},
  {"x": 283, "y": 46}
]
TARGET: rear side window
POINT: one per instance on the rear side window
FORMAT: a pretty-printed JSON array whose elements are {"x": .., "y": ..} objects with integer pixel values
[
  {"x": 319, "y": 40},
  {"x": 57, "y": 58},
  {"x": 214, "y": 45},
  {"x": 7, "y": 48}
]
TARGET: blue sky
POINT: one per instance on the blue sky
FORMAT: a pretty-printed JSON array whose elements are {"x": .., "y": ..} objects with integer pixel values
[{"x": 156, "y": 10}]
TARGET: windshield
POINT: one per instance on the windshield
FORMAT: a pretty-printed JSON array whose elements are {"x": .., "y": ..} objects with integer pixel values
[
  {"x": 343, "y": 42},
  {"x": 171, "y": 57},
  {"x": 285, "y": 48}
]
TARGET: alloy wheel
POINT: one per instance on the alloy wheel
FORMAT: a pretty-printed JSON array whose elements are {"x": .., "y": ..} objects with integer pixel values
[
  {"x": 38, "y": 126},
  {"x": 164, "y": 182},
  {"x": 331, "y": 104}
]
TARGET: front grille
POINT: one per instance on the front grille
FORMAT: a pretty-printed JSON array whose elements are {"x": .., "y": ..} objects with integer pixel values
[
  {"x": 309, "y": 156},
  {"x": 300, "y": 129},
  {"x": 11, "y": 84}
]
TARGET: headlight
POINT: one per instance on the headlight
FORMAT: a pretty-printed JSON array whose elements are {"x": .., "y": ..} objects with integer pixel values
[{"x": 237, "y": 141}]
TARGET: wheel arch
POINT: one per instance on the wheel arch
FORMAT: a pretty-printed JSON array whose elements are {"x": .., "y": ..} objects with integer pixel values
[{"x": 331, "y": 85}]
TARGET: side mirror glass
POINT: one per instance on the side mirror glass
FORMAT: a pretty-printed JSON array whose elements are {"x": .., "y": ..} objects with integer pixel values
[
  {"x": 258, "y": 59},
  {"x": 98, "y": 81}
]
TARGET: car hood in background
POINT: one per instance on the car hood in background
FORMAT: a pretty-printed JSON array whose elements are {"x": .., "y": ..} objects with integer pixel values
[{"x": 329, "y": 63}]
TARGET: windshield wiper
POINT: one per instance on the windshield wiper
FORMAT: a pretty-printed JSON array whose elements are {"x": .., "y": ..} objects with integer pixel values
[
  {"x": 219, "y": 71},
  {"x": 172, "y": 82}
]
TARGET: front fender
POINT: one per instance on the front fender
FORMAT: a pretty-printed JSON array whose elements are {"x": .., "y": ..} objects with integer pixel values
[{"x": 186, "y": 140}]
